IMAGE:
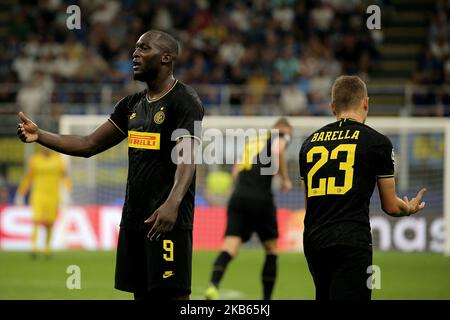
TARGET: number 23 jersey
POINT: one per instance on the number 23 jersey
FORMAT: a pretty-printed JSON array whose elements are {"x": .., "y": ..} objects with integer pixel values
[{"x": 340, "y": 164}]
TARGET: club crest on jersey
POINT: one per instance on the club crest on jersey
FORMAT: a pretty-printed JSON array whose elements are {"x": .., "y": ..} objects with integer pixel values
[{"x": 159, "y": 117}]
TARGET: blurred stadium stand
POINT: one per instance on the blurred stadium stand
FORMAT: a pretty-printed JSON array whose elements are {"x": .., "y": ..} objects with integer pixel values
[
  {"x": 265, "y": 57},
  {"x": 252, "y": 58}
]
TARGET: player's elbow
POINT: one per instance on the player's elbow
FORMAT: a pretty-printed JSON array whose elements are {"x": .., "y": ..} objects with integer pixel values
[
  {"x": 87, "y": 152},
  {"x": 90, "y": 148}
]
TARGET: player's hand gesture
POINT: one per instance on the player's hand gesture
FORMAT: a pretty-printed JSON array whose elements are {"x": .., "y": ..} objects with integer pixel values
[
  {"x": 27, "y": 130},
  {"x": 414, "y": 204},
  {"x": 162, "y": 220}
]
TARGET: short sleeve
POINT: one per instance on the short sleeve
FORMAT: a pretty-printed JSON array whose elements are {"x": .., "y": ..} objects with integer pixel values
[
  {"x": 119, "y": 116},
  {"x": 384, "y": 160},
  {"x": 188, "y": 116}
]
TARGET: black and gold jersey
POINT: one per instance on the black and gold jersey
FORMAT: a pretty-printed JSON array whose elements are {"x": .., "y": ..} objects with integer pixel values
[
  {"x": 255, "y": 170},
  {"x": 152, "y": 128},
  {"x": 340, "y": 164}
]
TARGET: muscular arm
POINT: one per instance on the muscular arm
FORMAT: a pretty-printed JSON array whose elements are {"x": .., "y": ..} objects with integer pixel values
[
  {"x": 185, "y": 170},
  {"x": 393, "y": 205},
  {"x": 101, "y": 139},
  {"x": 164, "y": 218}
]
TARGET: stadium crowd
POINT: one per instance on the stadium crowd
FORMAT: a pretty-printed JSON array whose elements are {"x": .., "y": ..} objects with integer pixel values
[
  {"x": 300, "y": 46},
  {"x": 433, "y": 65}
]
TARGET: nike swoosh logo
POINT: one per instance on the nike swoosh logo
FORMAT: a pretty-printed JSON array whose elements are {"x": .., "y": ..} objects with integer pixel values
[{"x": 168, "y": 274}]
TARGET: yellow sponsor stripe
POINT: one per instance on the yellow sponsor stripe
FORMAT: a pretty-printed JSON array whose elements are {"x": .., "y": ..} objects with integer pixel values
[{"x": 144, "y": 140}]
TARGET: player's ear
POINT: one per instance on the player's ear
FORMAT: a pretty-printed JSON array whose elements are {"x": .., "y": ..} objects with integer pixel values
[
  {"x": 366, "y": 103},
  {"x": 333, "y": 108},
  {"x": 166, "y": 58}
]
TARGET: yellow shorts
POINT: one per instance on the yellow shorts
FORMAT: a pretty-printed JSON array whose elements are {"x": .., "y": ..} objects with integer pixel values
[{"x": 44, "y": 211}]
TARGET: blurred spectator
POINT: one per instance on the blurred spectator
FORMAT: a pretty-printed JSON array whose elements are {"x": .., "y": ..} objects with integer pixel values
[
  {"x": 321, "y": 84},
  {"x": 269, "y": 41},
  {"x": 284, "y": 17},
  {"x": 439, "y": 26},
  {"x": 24, "y": 66},
  {"x": 431, "y": 96},
  {"x": 34, "y": 95},
  {"x": 240, "y": 16},
  {"x": 321, "y": 17},
  {"x": 440, "y": 48},
  {"x": 257, "y": 86},
  {"x": 232, "y": 50},
  {"x": 287, "y": 64},
  {"x": 293, "y": 100},
  {"x": 349, "y": 54}
]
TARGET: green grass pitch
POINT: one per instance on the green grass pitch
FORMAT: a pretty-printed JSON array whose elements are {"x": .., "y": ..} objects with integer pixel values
[{"x": 403, "y": 276}]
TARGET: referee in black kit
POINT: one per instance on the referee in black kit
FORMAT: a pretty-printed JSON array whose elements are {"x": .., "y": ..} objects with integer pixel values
[
  {"x": 154, "y": 253},
  {"x": 340, "y": 164}
]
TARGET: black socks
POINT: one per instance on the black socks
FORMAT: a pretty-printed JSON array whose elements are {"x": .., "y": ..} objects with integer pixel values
[
  {"x": 220, "y": 266},
  {"x": 269, "y": 274}
]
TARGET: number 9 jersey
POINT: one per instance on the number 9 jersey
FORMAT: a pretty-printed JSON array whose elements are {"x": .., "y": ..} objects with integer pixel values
[{"x": 340, "y": 164}]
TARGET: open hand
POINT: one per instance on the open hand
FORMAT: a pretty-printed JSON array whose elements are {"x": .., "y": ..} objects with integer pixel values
[
  {"x": 162, "y": 221},
  {"x": 414, "y": 204}
]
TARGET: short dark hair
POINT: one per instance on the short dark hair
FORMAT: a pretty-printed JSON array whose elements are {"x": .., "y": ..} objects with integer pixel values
[
  {"x": 166, "y": 42},
  {"x": 347, "y": 92}
]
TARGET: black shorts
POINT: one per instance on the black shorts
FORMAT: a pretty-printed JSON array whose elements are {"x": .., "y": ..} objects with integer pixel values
[
  {"x": 246, "y": 215},
  {"x": 340, "y": 272},
  {"x": 162, "y": 268}
]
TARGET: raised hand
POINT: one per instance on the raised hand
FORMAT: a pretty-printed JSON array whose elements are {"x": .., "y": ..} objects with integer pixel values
[
  {"x": 27, "y": 130},
  {"x": 414, "y": 204}
]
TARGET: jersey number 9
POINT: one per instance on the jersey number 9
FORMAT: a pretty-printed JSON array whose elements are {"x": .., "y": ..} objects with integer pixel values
[{"x": 168, "y": 247}]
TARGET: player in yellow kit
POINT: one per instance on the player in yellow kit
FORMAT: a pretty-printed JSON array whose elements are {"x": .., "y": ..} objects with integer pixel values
[{"x": 46, "y": 172}]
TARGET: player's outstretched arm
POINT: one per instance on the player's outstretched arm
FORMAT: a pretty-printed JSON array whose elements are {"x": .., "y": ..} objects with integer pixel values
[
  {"x": 101, "y": 139},
  {"x": 393, "y": 205}
]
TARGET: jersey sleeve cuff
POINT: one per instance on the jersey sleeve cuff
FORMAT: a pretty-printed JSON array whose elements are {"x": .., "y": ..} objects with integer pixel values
[
  {"x": 384, "y": 176},
  {"x": 115, "y": 125},
  {"x": 188, "y": 136}
]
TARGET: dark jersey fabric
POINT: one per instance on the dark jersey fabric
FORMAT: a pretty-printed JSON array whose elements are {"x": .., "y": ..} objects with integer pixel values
[
  {"x": 151, "y": 171},
  {"x": 342, "y": 219}
]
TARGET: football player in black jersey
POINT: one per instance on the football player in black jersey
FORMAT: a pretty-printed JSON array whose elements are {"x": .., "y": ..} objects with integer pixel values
[
  {"x": 340, "y": 164},
  {"x": 154, "y": 253},
  {"x": 251, "y": 207}
]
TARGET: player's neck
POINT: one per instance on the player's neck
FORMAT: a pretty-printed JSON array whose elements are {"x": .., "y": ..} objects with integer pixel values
[
  {"x": 350, "y": 115},
  {"x": 159, "y": 87}
]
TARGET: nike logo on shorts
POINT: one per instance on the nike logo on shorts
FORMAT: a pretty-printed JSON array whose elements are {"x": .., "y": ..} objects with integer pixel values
[{"x": 168, "y": 274}]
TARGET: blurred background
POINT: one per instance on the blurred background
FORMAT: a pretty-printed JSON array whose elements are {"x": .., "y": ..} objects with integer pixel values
[{"x": 250, "y": 62}]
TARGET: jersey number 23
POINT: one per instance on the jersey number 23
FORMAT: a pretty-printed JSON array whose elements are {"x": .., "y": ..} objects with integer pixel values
[{"x": 328, "y": 185}]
